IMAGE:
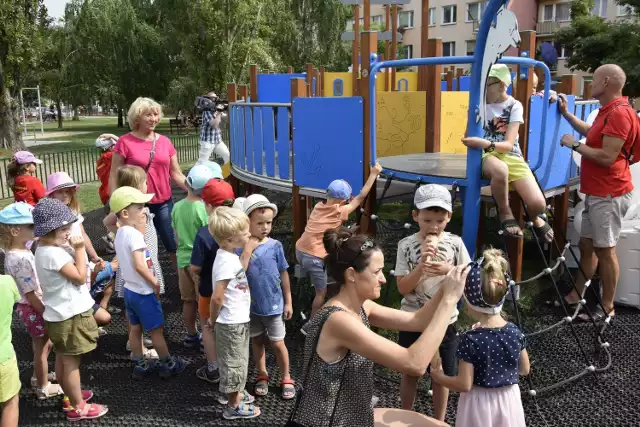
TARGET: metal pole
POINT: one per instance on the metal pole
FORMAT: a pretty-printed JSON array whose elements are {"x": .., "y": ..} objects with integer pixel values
[
  {"x": 40, "y": 111},
  {"x": 24, "y": 119}
]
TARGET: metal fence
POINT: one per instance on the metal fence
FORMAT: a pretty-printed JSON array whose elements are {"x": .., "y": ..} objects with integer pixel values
[{"x": 81, "y": 164}]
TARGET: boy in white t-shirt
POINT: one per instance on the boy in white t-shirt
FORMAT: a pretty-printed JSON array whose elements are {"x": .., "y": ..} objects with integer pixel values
[
  {"x": 230, "y": 309},
  {"x": 141, "y": 287},
  {"x": 502, "y": 160}
]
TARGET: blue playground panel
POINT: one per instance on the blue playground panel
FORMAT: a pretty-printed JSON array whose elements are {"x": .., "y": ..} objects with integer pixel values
[
  {"x": 283, "y": 145},
  {"x": 323, "y": 153},
  {"x": 276, "y": 87},
  {"x": 556, "y": 160},
  {"x": 465, "y": 83}
]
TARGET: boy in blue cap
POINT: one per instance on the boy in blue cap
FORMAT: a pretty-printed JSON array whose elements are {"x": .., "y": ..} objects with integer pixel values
[
  {"x": 187, "y": 217},
  {"x": 328, "y": 215}
]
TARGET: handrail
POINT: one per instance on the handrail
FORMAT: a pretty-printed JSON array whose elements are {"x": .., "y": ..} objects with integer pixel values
[
  {"x": 260, "y": 104},
  {"x": 587, "y": 102},
  {"x": 471, "y": 130}
]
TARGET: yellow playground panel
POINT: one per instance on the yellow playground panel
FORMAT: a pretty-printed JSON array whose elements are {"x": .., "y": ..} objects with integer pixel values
[
  {"x": 401, "y": 118},
  {"x": 453, "y": 121},
  {"x": 341, "y": 84}
]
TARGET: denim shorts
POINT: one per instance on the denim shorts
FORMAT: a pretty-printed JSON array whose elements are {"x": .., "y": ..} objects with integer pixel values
[
  {"x": 448, "y": 348},
  {"x": 143, "y": 310},
  {"x": 162, "y": 221},
  {"x": 314, "y": 266}
]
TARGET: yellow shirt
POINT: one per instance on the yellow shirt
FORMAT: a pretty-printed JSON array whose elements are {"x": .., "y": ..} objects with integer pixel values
[{"x": 323, "y": 217}]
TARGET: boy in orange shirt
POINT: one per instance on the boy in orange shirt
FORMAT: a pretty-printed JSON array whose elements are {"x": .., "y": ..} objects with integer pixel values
[{"x": 103, "y": 169}]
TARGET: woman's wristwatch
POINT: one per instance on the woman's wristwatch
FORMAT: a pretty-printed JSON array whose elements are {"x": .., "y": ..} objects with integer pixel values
[{"x": 575, "y": 145}]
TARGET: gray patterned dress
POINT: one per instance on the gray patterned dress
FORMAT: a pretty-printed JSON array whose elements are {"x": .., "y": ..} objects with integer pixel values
[{"x": 335, "y": 394}]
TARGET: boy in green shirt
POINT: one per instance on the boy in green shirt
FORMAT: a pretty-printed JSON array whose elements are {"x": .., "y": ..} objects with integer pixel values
[
  {"x": 10, "y": 384},
  {"x": 187, "y": 217}
]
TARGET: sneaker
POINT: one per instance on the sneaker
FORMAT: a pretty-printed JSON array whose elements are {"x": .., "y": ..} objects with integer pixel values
[
  {"x": 110, "y": 246},
  {"x": 243, "y": 411},
  {"x": 51, "y": 390},
  {"x": 51, "y": 377},
  {"x": 66, "y": 403},
  {"x": 114, "y": 310},
  {"x": 148, "y": 354},
  {"x": 210, "y": 376},
  {"x": 101, "y": 331},
  {"x": 90, "y": 411},
  {"x": 146, "y": 342},
  {"x": 192, "y": 341},
  {"x": 144, "y": 368},
  {"x": 247, "y": 398},
  {"x": 305, "y": 329},
  {"x": 174, "y": 366}
]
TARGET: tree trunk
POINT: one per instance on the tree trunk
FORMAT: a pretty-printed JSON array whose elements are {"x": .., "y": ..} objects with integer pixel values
[
  {"x": 10, "y": 136},
  {"x": 120, "y": 118},
  {"x": 75, "y": 114},
  {"x": 59, "y": 110}
]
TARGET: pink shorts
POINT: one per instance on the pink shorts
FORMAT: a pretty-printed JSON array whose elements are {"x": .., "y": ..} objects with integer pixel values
[{"x": 32, "y": 320}]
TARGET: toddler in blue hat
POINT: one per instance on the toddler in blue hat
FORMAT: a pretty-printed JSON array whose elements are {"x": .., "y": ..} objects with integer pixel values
[
  {"x": 187, "y": 217},
  {"x": 491, "y": 355},
  {"x": 328, "y": 215}
]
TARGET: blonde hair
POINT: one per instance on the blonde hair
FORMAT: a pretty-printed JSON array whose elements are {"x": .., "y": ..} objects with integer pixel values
[
  {"x": 225, "y": 222},
  {"x": 139, "y": 107},
  {"x": 131, "y": 176},
  {"x": 494, "y": 269},
  {"x": 74, "y": 203}
]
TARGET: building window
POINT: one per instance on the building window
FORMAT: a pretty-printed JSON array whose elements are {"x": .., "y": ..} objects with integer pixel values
[
  {"x": 449, "y": 14},
  {"x": 471, "y": 47},
  {"x": 432, "y": 16},
  {"x": 475, "y": 11},
  {"x": 377, "y": 20},
  {"x": 559, "y": 12},
  {"x": 548, "y": 12},
  {"x": 449, "y": 49},
  {"x": 624, "y": 10},
  {"x": 563, "y": 53},
  {"x": 405, "y": 19},
  {"x": 407, "y": 51},
  {"x": 600, "y": 8}
]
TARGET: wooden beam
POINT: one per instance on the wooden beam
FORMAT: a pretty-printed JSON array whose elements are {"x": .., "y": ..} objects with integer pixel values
[
  {"x": 321, "y": 80},
  {"x": 450, "y": 80},
  {"x": 243, "y": 90},
  {"x": 366, "y": 15},
  {"x": 387, "y": 46},
  {"x": 355, "y": 51},
  {"x": 298, "y": 90},
  {"x": 253, "y": 82},
  {"x": 433, "y": 89},
  {"x": 232, "y": 96},
  {"x": 289, "y": 69},
  {"x": 586, "y": 90},
  {"x": 569, "y": 84},
  {"x": 394, "y": 44}
]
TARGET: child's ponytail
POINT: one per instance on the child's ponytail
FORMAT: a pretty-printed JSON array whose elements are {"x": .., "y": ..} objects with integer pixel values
[
  {"x": 14, "y": 170},
  {"x": 495, "y": 268}
]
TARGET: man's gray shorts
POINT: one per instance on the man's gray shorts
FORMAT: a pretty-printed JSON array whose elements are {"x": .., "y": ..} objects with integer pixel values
[
  {"x": 314, "y": 266},
  {"x": 602, "y": 219}
]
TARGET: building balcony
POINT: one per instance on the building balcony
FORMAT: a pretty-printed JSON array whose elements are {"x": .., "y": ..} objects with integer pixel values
[{"x": 547, "y": 28}]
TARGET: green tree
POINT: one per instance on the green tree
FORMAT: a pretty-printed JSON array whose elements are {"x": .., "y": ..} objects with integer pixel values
[
  {"x": 594, "y": 41},
  {"x": 22, "y": 23}
]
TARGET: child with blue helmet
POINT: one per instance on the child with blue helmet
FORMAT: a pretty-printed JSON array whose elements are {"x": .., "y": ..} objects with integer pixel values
[{"x": 187, "y": 217}]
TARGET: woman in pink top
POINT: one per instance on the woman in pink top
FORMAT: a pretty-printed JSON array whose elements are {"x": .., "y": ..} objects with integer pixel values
[{"x": 157, "y": 156}]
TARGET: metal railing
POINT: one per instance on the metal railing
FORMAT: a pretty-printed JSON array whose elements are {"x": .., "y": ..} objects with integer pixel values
[{"x": 81, "y": 164}]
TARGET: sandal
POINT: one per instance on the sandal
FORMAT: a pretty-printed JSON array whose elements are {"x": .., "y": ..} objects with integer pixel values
[
  {"x": 544, "y": 232},
  {"x": 511, "y": 223},
  {"x": 51, "y": 377},
  {"x": 66, "y": 403},
  {"x": 50, "y": 390},
  {"x": 261, "y": 388},
  {"x": 288, "y": 389},
  {"x": 598, "y": 315},
  {"x": 242, "y": 411},
  {"x": 90, "y": 411}
]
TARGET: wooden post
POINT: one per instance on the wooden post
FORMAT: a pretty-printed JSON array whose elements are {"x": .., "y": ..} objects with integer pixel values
[
  {"x": 523, "y": 94},
  {"x": 253, "y": 82},
  {"x": 369, "y": 44},
  {"x": 355, "y": 75},
  {"x": 309, "y": 79},
  {"x": 243, "y": 90},
  {"x": 232, "y": 96},
  {"x": 433, "y": 88},
  {"x": 394, "y": 44},
  {"x": 289, "y": 69},
  {"x": 586, "y": 90},
  {"x": 298, "y": 90},
  {"x": 321, "y": 79},
  {"x": 424, "y": 49},
  {"x": 387, "y": 47},
  {"x": 366, "y": 15},
  {"x": 450, "y": 80},
  {"x": 569, "y": 84}
]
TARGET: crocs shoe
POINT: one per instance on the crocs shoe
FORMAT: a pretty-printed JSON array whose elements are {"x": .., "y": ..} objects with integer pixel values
[
  {"x": 192, "y": 341},
  {"x": 51, "y": 390},
  {"x": 174, "y": 366},
  {"x": 66, "y": 403},
  {"x": 89, "y": 411},
  {"x": 246, "y": 398},
  {"x": 51, "y": 377},
  {"x": 206, "y": 375},
  {"x": 242, "y": 411}
]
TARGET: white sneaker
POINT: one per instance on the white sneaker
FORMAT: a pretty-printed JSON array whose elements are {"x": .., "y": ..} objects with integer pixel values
[
  {"x": 101, "y": 331},
  {"x": 50, "y": 377},
  {"x": 148, "y": 354},
  {"x": 146, "y": 342},
  {"x": 51, "y": 390}
]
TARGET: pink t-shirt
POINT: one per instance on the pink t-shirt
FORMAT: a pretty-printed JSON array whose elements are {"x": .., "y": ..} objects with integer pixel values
[
  {"x": 323, "y": 217},
  {"x": 136, "y": 152}
]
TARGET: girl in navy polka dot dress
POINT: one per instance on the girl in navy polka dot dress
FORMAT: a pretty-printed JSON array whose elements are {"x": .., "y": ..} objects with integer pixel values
[{"x": 491, "y": 356}]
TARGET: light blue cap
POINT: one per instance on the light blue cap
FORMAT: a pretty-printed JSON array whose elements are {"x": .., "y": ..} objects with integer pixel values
[
  {"x": 215, "y": 168},
  {"x": 339, "y": 189},
  {"x": 198, "y": 177},
  {"x": 17, "y": 214}
]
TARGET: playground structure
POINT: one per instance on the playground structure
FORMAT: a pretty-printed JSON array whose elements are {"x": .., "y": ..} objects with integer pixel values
[{"x": 298, "y": 132}]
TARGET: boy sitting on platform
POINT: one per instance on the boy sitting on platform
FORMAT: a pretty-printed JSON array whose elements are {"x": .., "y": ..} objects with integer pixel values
[{"x": 502, "y": 160}]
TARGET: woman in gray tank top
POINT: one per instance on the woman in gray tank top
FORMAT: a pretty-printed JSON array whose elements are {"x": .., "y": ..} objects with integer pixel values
[{"x": 340, "y": 347}]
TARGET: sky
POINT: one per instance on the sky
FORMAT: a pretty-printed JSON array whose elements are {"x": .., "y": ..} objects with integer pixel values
[{"x": 55, "y": 7}]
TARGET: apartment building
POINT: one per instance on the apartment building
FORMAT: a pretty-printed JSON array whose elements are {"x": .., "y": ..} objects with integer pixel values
[{"x": 454, "y": 21}]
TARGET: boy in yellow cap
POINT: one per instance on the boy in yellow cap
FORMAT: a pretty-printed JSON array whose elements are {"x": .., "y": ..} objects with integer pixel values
[
  {"x": 502, "y": 160},
  {"x": 140, "y": 284}
]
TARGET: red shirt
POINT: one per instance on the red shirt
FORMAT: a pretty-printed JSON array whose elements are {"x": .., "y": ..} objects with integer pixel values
[
  {"x": 614, "y": 180},
  {"x": 28, "y": 189},
  {"x": 103, "y": 168}
]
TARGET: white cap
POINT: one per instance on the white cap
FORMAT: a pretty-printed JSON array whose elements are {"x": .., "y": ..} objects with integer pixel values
[
  {"x": 431, "y": 196},
  {"x": 239, "y": 203}
]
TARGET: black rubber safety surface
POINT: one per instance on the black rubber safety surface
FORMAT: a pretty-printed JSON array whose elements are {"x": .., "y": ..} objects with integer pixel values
[{"x": 606, "y": 399}]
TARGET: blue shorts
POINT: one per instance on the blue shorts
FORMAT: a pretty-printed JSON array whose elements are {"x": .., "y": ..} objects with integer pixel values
[
  {"x": 314, "y": 266},
  {"x": 143, "y": 310},
  {"x": 162, "y": 222}
]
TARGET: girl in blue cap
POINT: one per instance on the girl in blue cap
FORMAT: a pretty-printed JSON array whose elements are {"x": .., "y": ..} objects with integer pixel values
[
  {"x": 492, "y": 355},
  {"x": 16, "y": 229}
]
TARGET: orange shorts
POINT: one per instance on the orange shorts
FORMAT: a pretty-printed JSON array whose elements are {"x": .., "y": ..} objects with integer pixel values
[{"x": 204, "y": 308}]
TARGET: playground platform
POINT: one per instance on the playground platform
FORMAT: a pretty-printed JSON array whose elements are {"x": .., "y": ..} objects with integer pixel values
[{"x": 609, "y": 399}]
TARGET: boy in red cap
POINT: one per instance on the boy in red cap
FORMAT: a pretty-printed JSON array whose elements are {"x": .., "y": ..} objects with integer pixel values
[{"x": 215, "y": 193}]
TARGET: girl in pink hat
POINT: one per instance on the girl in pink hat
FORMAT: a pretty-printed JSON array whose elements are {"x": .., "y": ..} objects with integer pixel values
[
  {"x": 21, "y": 177},
  {"x": 61, "y": 186}
]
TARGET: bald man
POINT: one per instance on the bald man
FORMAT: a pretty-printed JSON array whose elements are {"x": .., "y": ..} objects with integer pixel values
[
  {"x": 605, "y": 178},
  {"x": 211, "y": 137}
]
